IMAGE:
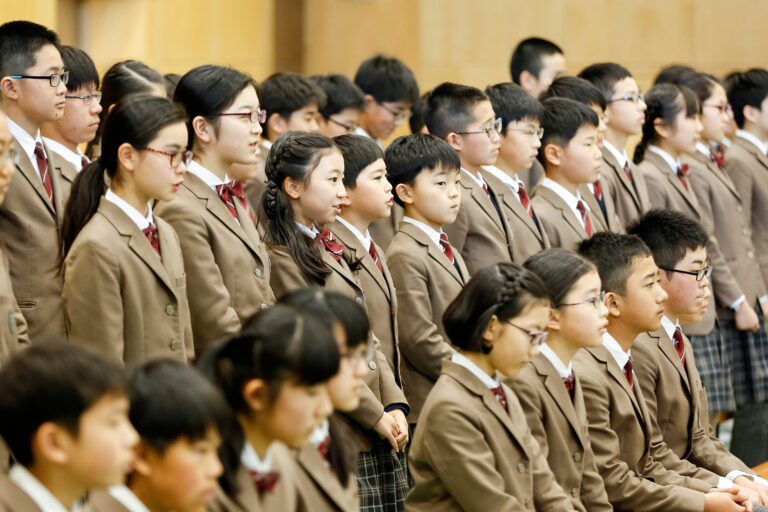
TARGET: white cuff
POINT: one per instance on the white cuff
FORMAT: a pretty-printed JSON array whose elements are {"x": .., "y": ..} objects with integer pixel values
[
  {"x": 733, "y": 475},
  {"x": 763, "y": 298},
  {"x": 724, "y": 483},
  {"x": 735, "y": 305},
  {"x": 760, "y": 480}
]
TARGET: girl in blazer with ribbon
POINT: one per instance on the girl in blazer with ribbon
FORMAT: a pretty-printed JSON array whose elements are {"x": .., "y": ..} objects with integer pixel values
[
  {"x": 124, "y": 285},
  {"x": 225, "y": 260},
  {"x": 478, "y": 453},
  {"x": 274, "y": 376}
]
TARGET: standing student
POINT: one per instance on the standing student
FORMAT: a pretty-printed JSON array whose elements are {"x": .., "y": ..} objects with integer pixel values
[
  {"x": 426, "y": 269},
  {"x": 625, "y": 115},
  {"x": 124, "y": 289},
  {"x": 519, "y": 142},
  {"x": 476, "y": 451},
  {"x": 69, "y": 431},
  {"x": 370, "y": 198},
  {"x": 33, "y": 87},
  {"x": 274, "y": 376},
  {"x": 671, "y": 74},
  {"x": 80, "y": 121},
  {"x": 176, "y": 463},
  {"x": 549, "y": 390},
  {"x": 225, "y": 261},
  {"x": 535, "y": 63},
  {"x": 570, "y": 154},
  {"x": 345, "y": 102},
  {"x": 463, "y": 116}
]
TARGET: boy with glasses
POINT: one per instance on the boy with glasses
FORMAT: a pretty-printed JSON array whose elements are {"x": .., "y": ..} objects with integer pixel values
[{"x": 344, "y": 106}]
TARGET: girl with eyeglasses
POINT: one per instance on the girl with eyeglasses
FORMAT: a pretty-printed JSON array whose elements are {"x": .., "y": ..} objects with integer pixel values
[
  {"x": 226, "y": 262},
  {"x": 124, "y": 288},
  {"x": 473, "y": 449},
  {"x": 549, "y": 391}
]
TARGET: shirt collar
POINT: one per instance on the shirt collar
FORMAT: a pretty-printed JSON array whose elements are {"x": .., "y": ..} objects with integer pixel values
[
  {"x": 513, "y": 183},
  {"x": 359, "y": 131},
  {"x": 621, "y": 357},
  {"x": 311, "y": 233},
  {"x": 669, "y": 326},
  {"x": 127, "y": 499},
  {"x": 140, "y": 220},
  {"x": 266, "y": 144},
  {"x": 562, "y": 370},
  {"x": 365, "y": 239},
  {"x": 475, "y": 370},
  {"x": 430, "y": 232},
  {"x": 477, "y": 179},
  {"x": 204, "y": 174},
  {"x": 37, "y": 492},
  {"x": 73, "y": 157},
  {"x": 250, "y": 459},
  {"x": 704, "y": 150},
  {"x": 622, "y": 157},
  {"x": 674, "y": 164},
  {"x": 25, "y": 140},
  {"x": 571, "y": 200},
  {"x": 759, "y": 144},
  {"x": 321, "y": 433}
]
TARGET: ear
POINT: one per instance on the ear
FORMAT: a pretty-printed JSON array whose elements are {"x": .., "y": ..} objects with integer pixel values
[
  {"x": 293, "y": 188},
  {"x": 662, "y": 130},
  {"x": 554, "y": 319},
  {"x": 614, "y": 303},
  {"x": 9, "y": 88},
  {"x": 203, "y": 130},
  {"x": 528, "y": 81},
  {"x": 127, "y": 156},
  {"x": 277, "y": 125},
  {"x": 141, "y": 459},
  {"x": 255, "y": 395},
  {"x": 750, "y": 113},
  {"x": 492, "y": 331},
  {"x": 552, "y": 153},
  {"x": 369, "y": 101},
  {"x": 51, "y": 442},
  {"x": 404, "y": 192},
  {"x": 455, "y": 140}
]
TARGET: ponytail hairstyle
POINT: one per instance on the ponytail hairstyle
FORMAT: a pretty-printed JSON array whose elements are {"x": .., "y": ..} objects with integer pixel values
[
  {"x": 664, "y": 101},
  {"x": 279, "y": 345},
  {"x": 294, "y": 155},
  {"x": 207, "y": 91},
  {"x": 559, "y": 269},
  {"x": 504, "y": 290},
  {"x": 136, "y": 119},
  {"x": 124, "y": 78},
  {"x": 331, "y": 308}
]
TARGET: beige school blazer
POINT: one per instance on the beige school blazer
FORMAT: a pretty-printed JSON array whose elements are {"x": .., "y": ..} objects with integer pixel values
[
  {"x": 120, "y": 298},
  {"x": 318, "y": 487},
  {"x": 612, "y": 222},
  {"x": 226, "y": 263},
  {"x": 561, "y": 224},
  {"x": 630, "y": 198},
  {"x": 13, "y": 326},
  {"x": 13, "y": 499}
]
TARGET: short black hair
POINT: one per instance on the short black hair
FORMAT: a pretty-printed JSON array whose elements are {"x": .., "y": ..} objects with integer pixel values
[
  {"x": 561, "y": 118},
  {"x": 746, "y": 89},
  {"x": 669, "y": 234},
  {"x": 170, "y": 401},
  {"x": 575, "y": 88},
  {"x": 284, "y": 93},
  {"x": 528, "y": 54},
  {"x": 408, "y": 155},
  {"x": 614, "y": 254},
  {"x": 512, "y": 103},
  {"x": 51, "y": 381},
  {"x": 670, "y": 74},
  {"x": 449, "y": 108},
  {"x": 604, "y": 76},
  {"x": 82, "y": 70},
  {"x": 416, "y": 121},
  {"x": 387, "y": 79},
  {"x": 340, "y": 93},
  {"x": 359, "y": 152},
  {"x": 19, "y": 43}
]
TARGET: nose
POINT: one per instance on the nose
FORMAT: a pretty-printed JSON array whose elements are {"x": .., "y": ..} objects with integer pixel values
[
  {"x": 314, "y": 126},
  {"x": 256, "y": 128},
  {"x": 641, "y": 105},
  {"x": 96, "y": 108},
  {"x": 388, "y": 186},
  {"x": 324, "y": 407},
  {"x": 214, "y": 466}
]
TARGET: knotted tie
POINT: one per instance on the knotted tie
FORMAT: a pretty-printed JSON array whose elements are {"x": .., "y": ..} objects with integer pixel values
[
  {"x": 500, "y": 396},
  {"x": 326, "y": 238},
  {"x": 682, "y": 172},
  {"x": 154, "y": 240},
  {"x": 584, "y": 217},
  {"x": 568, "y": 382},
  {"x": 629, "y": 374},
  {"x": 679, "y": 344},
  {"x": 264, "y": 481},
  {"x": 42, "y": 166},
  {"x": 375, "y": 257},
  {"x": 231, "y": 191}
]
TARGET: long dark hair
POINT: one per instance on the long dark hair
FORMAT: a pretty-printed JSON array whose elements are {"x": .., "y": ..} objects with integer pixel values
[
  {"x": 559, "y": 269},
  {"x": 665, "y": 101},
  {"x": 294, "y": 155},
  {"x": 136, "y": 119}
]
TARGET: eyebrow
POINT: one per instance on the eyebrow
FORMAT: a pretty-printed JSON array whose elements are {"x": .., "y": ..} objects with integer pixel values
[
  {"x": 652, "y": 275},
  {"x": 172, "y": 145}
]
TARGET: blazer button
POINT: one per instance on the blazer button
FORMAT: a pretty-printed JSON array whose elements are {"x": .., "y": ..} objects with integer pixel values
[
  {"x": 577, "y": 457},
  {"x": 372, "y": 365},
  {"x": 521, "y": 467},
  {"x": 359, "y": 300},
  {"x": 527, "y": 501},
  {"x": 739, "y": 208},
  {"x": 575, "y": 492},
  {"x": 745, "y": 231},
  {"x": 750, "y": 255},
  {"x": 264, "y": 306},
  {"x": 170, "y": 309},
  {"x": 257, "y": 272},
  {"x": 175, "y": 345}
]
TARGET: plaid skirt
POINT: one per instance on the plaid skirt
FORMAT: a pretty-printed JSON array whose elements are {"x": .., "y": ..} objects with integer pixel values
[
  {"x": 382, "y": 479},
  {"x": 750, "y": 362},
  {"x": 714, "y": 363}
]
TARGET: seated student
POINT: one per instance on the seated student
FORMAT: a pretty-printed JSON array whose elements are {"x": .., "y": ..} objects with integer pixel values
[
  {"x": 620, "y": 426},
  {"x": 80, "y": 121},
  {"x": 274, "y": 376},
  {"x": 343, "y": 106},
  {"x": 548, "y": 389},
  {"x": 124, "y": 292},
  {"x": 598, "y": 195},
  {"x": 331, "y": 446},
  {"x": 31, "y": 213},
  {"x": 535, "y": 63},
  {"x": 625, "y": 114},
  {"x": 390, "y": 91},
  {"x": 292, "y": 103},
  {"x": 176, "y": 463},
  {"x": 225, "y": 260},
  {"x": 570, "y": 154},
  {"x": 519, "y": 142},
  {"x": 369, "y": 198},
  {"x": 416, "y": 120},
  {"x": 673, "y": 391},
  {"x": 426, "y": 270},
  {"x": 463, "y": 116},
  {"x": 66, "y": 422},
  {"x": 477, "y": 452}
]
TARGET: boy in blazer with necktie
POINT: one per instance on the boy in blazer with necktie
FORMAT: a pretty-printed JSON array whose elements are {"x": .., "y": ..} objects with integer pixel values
[
  {"x": 620, "y": 427},
  {"x": 570, "y": 153},
  {"x": 33, "y": 87},
  {"x": 427, "y": 271},
  {"x": 674, "y": 394}
]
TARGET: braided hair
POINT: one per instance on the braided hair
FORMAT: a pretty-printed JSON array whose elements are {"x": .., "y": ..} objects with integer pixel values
[
  {"x": 503, "y": 290},
  {"x": 294, "y": 155}
]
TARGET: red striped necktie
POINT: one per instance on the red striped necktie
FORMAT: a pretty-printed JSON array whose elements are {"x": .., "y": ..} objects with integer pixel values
[
  {"x": 682, "y": 172},
  {"x": 326, "y": 238},
  {"x": 231, "y": 191},
  {"x": 500, "y": 396},
  {"x": 679, "y": 344},
  {"x": 264, "y": 482},
  {"x": 629, "y": 375},
  {"x": 152, "y": 236},
  {"x": 42, "y": 166},
  {"x": 584, "y": 217},
  {"x": 375, "y": 257}
]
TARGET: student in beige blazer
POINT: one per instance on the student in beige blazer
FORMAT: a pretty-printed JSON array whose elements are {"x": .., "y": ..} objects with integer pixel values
[
  {"x": 124, "y": 285},
  {"x": 563, "y": 226},
  {"x": 626, "y": 185},
  {"x": 475, "y": 451}
]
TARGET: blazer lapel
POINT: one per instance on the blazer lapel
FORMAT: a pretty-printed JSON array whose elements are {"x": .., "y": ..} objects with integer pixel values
[
  {"x": 556, "y": 201},
  {"x": 354, "y": 245},
  {"x": 434, "y": 252},
  {"x": 601, "y": 353},
  {"x": 752, "y": 149},
  {"x": 599, "y": 222},
  {"x": 556, "y": 389},
  {"x": 341, "y": 269},
  {"x": 668, "y": 349},
  {"x": 309, "y": 459},
  {"x": 27, "y": 169},
  {"x": 621, "y": 175},
  {"x": 62, "y": 171},
  {"x": 504, "y": 194},
  {"x": 719, "y": 173},
  {"x": 471, "y": 188}
]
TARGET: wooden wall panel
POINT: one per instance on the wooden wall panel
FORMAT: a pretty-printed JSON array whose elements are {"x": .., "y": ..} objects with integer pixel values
[{"x": 41, "y": 11}]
